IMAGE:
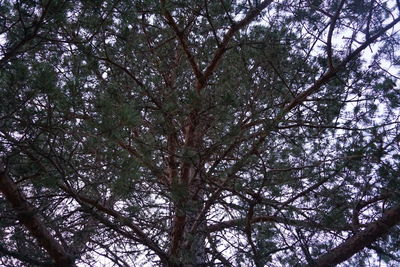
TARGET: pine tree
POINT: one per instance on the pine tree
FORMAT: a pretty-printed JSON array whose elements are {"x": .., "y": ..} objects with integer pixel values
[{"x": 199, "y": 133}]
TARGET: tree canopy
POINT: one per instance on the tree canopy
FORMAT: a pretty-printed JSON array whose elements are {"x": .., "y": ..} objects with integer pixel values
[{"x": 199, "y": 133}]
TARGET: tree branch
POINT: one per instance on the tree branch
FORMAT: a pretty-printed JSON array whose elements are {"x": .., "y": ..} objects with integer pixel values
[
  {"x": 330, "y": 34},
  {"x": 36, "y": 24},
  {"x": 362, "y": 239},
  {"x": 182, "y": 39},
  {"x": 274, "y": 219},
  {"x": 27, "y": 216},
  {"x": 326, "y": 77},
  {"x": 24, "y": 258},
  {"x": 141, "y": 236},
  {"x": 251, "y": 15}
]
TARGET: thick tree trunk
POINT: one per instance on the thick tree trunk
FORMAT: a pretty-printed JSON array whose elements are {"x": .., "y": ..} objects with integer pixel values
[
  {"x": 194, "y": 245},
  {"x": 188, "y": 234}
]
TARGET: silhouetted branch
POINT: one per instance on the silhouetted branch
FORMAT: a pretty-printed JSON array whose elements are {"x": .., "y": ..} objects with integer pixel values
[
  {"x": 28, "y": 217},
  {"x": 361, "y": 240}
]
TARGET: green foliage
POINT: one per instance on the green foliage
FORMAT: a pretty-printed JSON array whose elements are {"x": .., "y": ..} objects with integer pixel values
[{"x": 137, "y": 126}]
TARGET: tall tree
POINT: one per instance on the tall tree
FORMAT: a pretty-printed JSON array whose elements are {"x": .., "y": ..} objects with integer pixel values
[{"x": 199, "y": 133}]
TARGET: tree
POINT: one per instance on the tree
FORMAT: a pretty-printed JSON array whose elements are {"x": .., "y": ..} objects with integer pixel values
[{"x": 199, "y": 133}]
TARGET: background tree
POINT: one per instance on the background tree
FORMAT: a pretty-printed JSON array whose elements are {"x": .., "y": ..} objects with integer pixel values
[{"x": 199, "y": 133}]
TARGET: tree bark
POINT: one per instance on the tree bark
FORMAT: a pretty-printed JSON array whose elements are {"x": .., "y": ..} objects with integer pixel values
[{"x": 188, "y": 244}]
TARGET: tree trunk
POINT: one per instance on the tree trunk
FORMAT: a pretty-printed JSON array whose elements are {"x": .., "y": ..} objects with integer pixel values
[
  {"x": 194, "y": 244},
  {"x": 188, "y": 246}
]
